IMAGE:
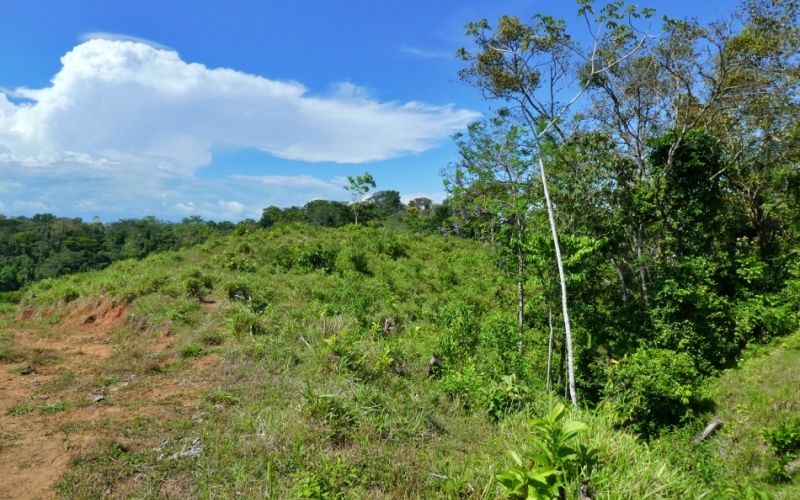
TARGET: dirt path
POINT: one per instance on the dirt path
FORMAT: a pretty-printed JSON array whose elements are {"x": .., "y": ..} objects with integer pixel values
[{"x": 33, "y": 452}]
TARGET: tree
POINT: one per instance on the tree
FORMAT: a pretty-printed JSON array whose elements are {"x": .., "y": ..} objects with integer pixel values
[
  {"x": 327, "y": 213},
  {"x": 386, "y": 204},
  {"x": 358, "y": 188},
  {"x": 532, "y": 66},
  {"x": 493, "y": 183}
]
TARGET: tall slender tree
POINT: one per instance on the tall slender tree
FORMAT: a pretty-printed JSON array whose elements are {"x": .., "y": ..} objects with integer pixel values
[{"x": 534, "y": 66}]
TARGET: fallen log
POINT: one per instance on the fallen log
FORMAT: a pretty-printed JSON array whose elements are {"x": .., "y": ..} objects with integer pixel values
[{"x": 710, "y": 429}]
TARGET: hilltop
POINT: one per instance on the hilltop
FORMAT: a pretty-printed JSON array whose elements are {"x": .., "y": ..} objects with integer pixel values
[{"x": 292, "y": 363}]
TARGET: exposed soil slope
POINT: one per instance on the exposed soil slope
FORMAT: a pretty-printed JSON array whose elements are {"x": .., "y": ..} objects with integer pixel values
[{"x": 52, "y": 396}]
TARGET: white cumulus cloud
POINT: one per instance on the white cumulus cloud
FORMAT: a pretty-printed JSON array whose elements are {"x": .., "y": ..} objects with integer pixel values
[
  {"x": 117, "y": 102},
  {"x": 126, "y": 123}
]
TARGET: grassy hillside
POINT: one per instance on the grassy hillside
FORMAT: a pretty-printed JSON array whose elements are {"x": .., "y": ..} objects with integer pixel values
[{"x": 259, "y": 365}]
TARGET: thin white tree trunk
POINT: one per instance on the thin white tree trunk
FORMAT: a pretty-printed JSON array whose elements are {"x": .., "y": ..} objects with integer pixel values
[{"x": 562, "y": 278}]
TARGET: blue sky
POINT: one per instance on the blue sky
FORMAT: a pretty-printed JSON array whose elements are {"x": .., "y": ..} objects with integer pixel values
[{"x": 130, "y": 108}]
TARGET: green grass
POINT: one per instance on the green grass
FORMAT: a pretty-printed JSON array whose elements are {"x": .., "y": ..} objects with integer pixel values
[
  {"x": 310, "y": 398},
  {"x": 8, "y": 352}
]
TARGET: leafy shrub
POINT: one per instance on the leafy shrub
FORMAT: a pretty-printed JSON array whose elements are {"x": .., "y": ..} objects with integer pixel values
[
  {"x": 389, "y": 245},
  {"x": 197, "y": 285},
  {"x": 353, "y": 258},
  {"x": 244, "y": 320},
  {"x": 504, "y": 397},
  {"x": 784, "y": 440},
  {"x": 318, "y": 257},
  {"x": 331, "y": 479},
  {"x": 499, "y": 336},
  {"x": 68, "y": 294},
  {"x": 238, "y": 290},
  {"x": 462, "y": 384},
  {"x": 554, "y": 463},
  {"x": 653, "y": 389},
  {"x": 460, "y": 336}
]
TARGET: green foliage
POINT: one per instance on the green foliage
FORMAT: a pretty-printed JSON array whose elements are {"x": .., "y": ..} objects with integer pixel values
[
  {"x": 554, "y": 462},
  {"x": 353, "y": 258},
  {"x": 653, "y": 389},
  {"x": 238, "y": 290},
  {"x": 244, "y": 320},
  {"x": 500, "y": 342},
  {"x": 462, "y": 384},
  {"x": 318, "y": 257},
  {"x": 507, "y": 396},
  {"x": 330, "y": 410},
  {"x": 784, "y": 440},
  {"x": 198, "y": 284},
  {"x": 460, "y": 334},
  {"x": 325, "y": 479},
  {"x": 193, "y": 351},
  {"x": 220, "y": 396}
]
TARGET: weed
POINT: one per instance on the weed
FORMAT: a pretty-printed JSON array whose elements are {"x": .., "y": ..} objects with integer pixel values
[
  {"x": 193, "y": 351},
  {"x": 56, "y": 407},
  {"x": 8, "y": 353},
  {"x": 20, "y": 409},
  {"x": 220, "y": 396}
]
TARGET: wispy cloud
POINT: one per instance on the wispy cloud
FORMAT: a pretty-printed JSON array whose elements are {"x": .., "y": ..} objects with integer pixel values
[
  {"x": 424, "y": 53},
  {"x": 288, "y": 180},
  {"x": 117, "y": 37}
]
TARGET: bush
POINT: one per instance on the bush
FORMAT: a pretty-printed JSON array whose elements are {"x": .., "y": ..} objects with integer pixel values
[
  {"x": 463, "y": 384},
  {"x": 784, "y": 440},
  {"x": 238, "y": 290},
  {"x": 653, "y": 389},
  {"x": 503, "y": 398},
  {"x": 244, "y": 320},
  {"x": 318, "y": 257},
  {"x": 555, "y": 463},
  {"x": 197, "y": 285},
  {"x": 353, "y": 258},
  {"x": 500, "y": 337},
  {"x": 460, "y": 336}
]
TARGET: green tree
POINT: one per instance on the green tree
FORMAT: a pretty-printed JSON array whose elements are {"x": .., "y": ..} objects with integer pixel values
[
  {"x": 494, "y": 190},
  {"x": 358, "y": 188},
  {"x": 533, "y": 67},
  {"x": 327, "y": 213}
]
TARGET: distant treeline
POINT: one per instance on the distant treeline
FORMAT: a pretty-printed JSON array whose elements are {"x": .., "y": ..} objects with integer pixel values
[
  {"x": 381, "y": 207},
  {"x": 47, "y": 246}
]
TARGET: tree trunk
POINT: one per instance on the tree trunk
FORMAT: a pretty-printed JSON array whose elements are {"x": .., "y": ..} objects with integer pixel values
[
  {"x": 550, "y": 350},
  {"x": 562, "y": 279},
  {"x": 626, "y": 293},
  {"x": 639, "y": 257},
  {"x": 520, "y": 297}
]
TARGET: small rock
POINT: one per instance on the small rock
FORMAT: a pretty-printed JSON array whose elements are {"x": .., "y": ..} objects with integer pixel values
[
  {"x": 96, "y": 398},
  {"x": 193, "y": 450}
]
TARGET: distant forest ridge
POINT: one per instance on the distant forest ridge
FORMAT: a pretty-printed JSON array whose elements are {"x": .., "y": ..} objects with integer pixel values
[{"x": 48, "y": 246}]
